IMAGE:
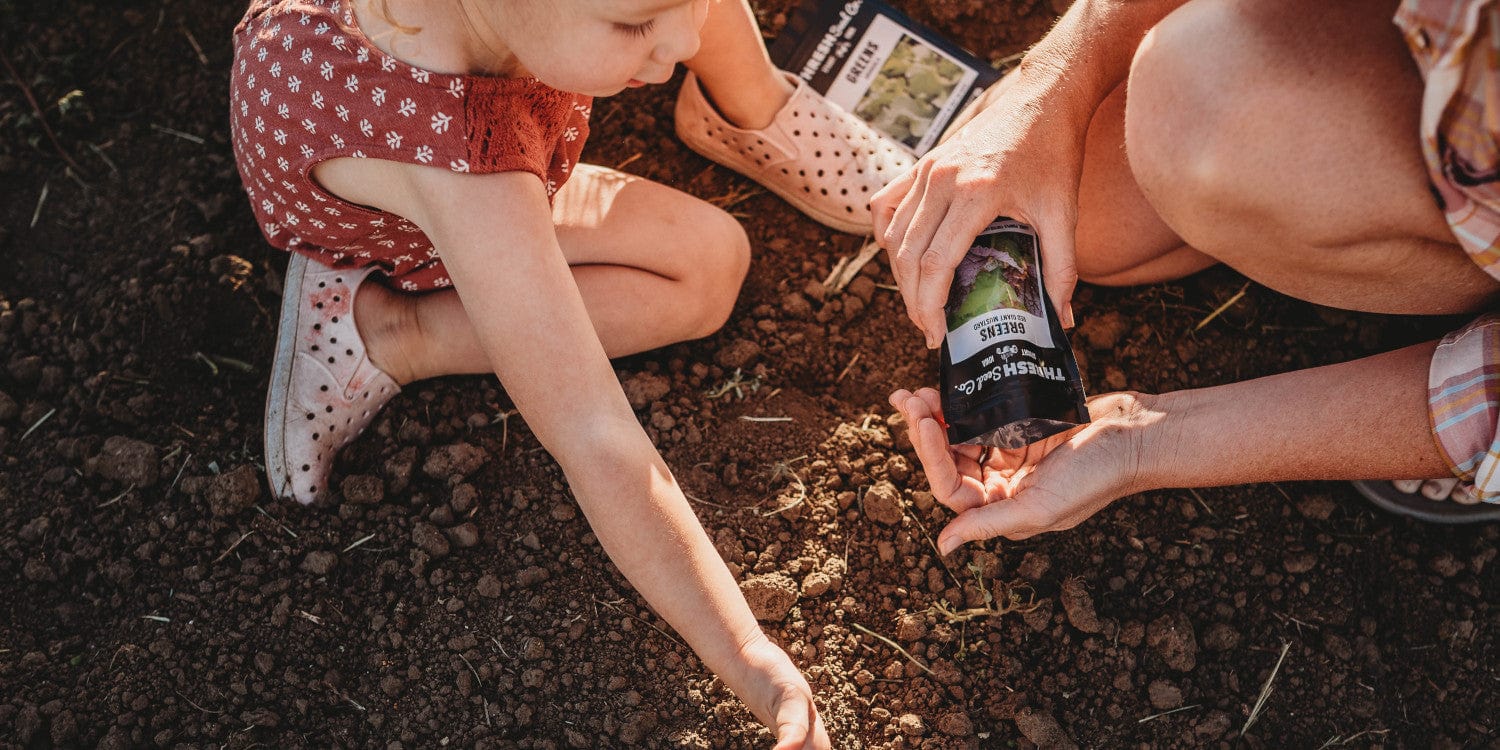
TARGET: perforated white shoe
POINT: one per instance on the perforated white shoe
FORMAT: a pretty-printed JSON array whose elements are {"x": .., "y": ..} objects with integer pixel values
[
  {"x": 324, "y": 390},
  {"x": 818, "y": 157}
]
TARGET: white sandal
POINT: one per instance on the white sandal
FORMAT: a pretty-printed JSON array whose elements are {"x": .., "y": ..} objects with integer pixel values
[
  {"x": 818, "y": 157},
  {"x": 324, "y": 390}
]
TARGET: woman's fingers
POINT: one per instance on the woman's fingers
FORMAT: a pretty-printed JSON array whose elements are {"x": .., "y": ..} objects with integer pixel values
[
  {"x": 1014, "y": 519},
  {"x": 904, "y": 261},
  {"x": 932, "y": 399},
  {"x": 885, "y": 201},
  {"x": 1055, "y": 232},
  {"x": 962, "y": 222}
]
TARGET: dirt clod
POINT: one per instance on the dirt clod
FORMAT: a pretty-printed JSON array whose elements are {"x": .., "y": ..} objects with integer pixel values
[
  {"x": 1079, "y": 606},
  {"x": 1164, "y": 695},
  {"x": 454, "y": 462},
  {"x": 464, "y": 535},
  {"x": 320, "y": 562},
  {"x": 128, "y": 461},
  {"x": 1043, "y": 730},
  {"x": 738, "y": 354},
  {"x": 771, "y": 596},
  {"x": 363, "y": 489},
  {"x": 911, "y": 628},
  {"x": 1220, "y": 637},
  {"x": 430, "y": 540},
  {"x": 883, "y": 503},
  {"x": 1102, "y": 331},
  {"x": 489, "y": 586},
  {"x": 911, "y": 725},
  {"x": 1171, "y": 638},
  {"x": 956, "y": 724},
  {"x": 643, "y": 388},
  {"x": 234, "y": 491}
]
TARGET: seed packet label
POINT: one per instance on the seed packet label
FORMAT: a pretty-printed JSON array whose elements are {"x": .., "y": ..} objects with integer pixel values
[
  {"x": 869, "y": 58},
  {"x": 996, "y": 298}
]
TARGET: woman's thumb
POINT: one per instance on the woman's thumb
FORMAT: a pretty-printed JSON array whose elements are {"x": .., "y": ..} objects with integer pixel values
[{"x": 1000, "y": 518}]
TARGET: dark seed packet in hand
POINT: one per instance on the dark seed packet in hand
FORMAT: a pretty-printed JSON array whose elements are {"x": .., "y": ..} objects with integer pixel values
[{"x": 1008, "y": 374}]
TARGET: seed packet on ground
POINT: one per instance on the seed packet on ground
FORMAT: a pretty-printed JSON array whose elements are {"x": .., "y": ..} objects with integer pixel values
[
  {"x": 1008, "y": 374},
  {"x": 890, "y": 71}
]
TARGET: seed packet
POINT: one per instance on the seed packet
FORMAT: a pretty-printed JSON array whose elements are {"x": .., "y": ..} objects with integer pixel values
[
  {"x": 1008, "y": 374},
  {"x": 871, "y": 59}
]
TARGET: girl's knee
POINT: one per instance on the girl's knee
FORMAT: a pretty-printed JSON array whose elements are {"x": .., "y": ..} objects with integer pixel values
[{"x": 720, "y": 265}]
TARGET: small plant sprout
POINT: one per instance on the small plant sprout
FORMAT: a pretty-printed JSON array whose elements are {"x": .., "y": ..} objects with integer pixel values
[
  {"x": 782, "y": 469},
  {"x": 1016, "y": 596},
  {"x": 736, "y": 384}
]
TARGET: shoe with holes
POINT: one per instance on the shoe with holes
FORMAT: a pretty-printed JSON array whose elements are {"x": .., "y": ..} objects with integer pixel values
[
  {"x": 821, "y": 159},
  {"x": 324, "y": 389}
]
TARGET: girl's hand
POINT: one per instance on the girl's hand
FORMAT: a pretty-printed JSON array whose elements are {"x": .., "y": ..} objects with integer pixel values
[
  {"x": 777, "y": 693},
  {"x": 1020, "y": 157},
  {"x": 1050, "y": 485}
]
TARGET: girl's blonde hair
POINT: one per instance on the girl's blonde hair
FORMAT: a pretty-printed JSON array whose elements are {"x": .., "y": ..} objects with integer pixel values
[{"x": 384, "y": 9}]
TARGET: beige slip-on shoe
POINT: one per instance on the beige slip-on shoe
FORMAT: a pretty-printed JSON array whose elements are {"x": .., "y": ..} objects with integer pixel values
[{"x": 814, "y": 155}]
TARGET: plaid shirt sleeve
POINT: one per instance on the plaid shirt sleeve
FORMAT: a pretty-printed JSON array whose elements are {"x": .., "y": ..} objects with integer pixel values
[
  {"x": 1456, "y": 45},
  {"x": 1463, "y": 393}
]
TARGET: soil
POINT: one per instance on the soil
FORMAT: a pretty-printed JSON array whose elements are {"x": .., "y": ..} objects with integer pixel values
[{"x": 451, "y": 594}]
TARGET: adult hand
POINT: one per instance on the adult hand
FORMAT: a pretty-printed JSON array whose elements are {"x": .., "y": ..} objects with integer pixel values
[
  {"x": 1050, "y": 485},
  {"x": 1020, "y": 157}
]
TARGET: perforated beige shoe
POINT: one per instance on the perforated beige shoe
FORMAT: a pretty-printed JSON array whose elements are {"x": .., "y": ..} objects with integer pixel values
[
  {"x": 814, "y": 155},
  {"x": 324, "y": 390}
]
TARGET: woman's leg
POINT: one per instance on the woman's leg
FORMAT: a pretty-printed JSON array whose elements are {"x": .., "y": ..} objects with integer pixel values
[
  {"x": 1120, "y": 240},
  {"x": 1280, "y": 137},
  {"x": 654, "y": 265},
  {"x": 734, "y": 68}
]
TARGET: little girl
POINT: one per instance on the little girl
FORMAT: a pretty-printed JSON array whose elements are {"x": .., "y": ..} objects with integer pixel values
[{"x": 434, "y": 144}]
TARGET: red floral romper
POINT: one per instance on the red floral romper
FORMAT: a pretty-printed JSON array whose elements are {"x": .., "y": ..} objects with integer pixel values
[{"x": 307, "y": 85}]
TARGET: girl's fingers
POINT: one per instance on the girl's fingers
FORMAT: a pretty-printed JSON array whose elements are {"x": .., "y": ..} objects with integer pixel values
[
  {"x": 793, "y": 721},
  {"x": 818, "y": 738}
]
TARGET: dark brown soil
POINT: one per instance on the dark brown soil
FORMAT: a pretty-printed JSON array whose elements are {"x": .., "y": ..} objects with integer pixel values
[{"x": 155, "y": 596}]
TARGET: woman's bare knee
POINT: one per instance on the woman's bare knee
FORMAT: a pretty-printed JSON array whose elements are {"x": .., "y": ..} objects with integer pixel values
[{"x": 1182, "y": 113}]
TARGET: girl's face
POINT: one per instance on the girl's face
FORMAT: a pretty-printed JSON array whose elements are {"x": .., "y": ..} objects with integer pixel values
[{"x": 596, "y": 47}]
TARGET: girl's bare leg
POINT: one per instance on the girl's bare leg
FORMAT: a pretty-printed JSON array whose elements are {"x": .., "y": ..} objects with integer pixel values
[
  {"x": 654, "y": 265},
  {"x": 734, "y": 68}
]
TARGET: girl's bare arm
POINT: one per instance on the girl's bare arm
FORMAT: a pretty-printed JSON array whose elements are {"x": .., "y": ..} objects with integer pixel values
[{"x": 498, "y": 243}]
